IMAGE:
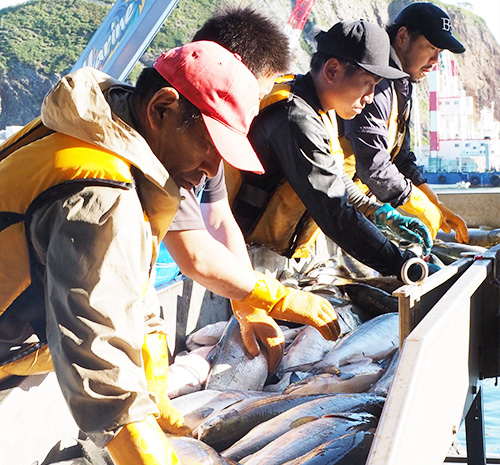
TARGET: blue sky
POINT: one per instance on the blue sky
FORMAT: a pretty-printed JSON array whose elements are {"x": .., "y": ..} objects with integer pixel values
[{"x": 487, "y": 9}]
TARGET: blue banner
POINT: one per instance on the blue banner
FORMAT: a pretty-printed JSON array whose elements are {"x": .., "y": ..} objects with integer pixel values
[{"x": 124, "y": 35}]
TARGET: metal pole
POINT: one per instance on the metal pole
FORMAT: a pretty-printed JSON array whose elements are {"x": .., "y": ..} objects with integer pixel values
[{"x": 474, "y": 432}]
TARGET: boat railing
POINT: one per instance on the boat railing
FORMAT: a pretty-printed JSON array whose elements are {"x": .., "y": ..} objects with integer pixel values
[{"x": 449, "y": 330}]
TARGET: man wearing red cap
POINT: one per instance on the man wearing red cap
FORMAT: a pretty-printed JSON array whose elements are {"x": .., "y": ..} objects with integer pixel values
[
  {"x": 379, "y": 138},
  {"x": 87, "y": 196},
  {"x": 204, "y": 238}
]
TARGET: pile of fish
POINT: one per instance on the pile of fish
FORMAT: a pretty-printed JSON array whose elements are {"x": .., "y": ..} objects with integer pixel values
[{"x": 323, "y": 403}]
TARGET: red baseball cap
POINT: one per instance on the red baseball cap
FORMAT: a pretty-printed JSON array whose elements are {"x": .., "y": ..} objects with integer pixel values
[{"x": 223, "y": 89}]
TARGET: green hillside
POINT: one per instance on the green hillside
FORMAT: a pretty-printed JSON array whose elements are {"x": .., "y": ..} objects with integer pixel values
[{"x": 24, "y": 37}]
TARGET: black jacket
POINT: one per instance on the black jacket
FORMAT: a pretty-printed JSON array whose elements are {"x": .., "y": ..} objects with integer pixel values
[
  {"x": 390, "y": 181},
  {"x": 293, "y": 144}
]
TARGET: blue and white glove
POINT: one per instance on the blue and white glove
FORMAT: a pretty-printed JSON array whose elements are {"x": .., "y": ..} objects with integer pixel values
[{"x": 405, "y": 227}]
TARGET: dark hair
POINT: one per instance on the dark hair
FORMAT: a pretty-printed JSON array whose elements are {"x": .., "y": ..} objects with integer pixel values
[
  {"x": 393, "y": 29},
  {"x": 151, "y": 81},
  {"x": 319, "y": 59},
  {"x": 255, "y": 38}
]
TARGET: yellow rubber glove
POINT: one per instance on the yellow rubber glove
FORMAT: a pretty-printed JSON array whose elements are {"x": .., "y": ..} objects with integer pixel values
[
  {"x": 142, "y": 443},
  {"x": 257, "y": 326},
  {"x": 419, "y": 205},
  {"x": 155, "y": 356},
  {"x": 285, "y": 303},
  {"x": 453, "y": 221}
]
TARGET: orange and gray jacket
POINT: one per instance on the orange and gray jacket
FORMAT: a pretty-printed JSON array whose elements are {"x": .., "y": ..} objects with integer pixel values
[
  {"x": 380, "y": 139},
  {"x": 295, "y": 146},
  {"x": 40, "y": 167}
]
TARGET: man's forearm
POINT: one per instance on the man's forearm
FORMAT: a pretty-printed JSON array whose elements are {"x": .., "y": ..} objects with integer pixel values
[
  {"x": 222, "y": 226},
  {"x": 209, "y": 263}
]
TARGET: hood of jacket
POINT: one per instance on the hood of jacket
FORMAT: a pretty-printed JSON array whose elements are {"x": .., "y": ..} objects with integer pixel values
[{"x": 77, "y": 107}]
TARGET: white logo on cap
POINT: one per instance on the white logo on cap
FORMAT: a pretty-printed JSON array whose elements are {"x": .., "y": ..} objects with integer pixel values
[{"x": 446, "y": 24}]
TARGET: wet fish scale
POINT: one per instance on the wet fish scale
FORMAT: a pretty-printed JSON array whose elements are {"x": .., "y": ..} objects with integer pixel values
[
  {"x": 232, "y": 366},
  {"x": 234, "y": 422},
  {"x": 304, "y": 438},
  {"x": 375, "y": 339},
  {"x": 272, "y": 429}
]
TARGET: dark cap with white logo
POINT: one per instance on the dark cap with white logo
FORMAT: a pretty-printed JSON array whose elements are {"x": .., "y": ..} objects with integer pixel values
[
  {"x": 363, "y": 43},
  {"x": 433, "y": 23}
]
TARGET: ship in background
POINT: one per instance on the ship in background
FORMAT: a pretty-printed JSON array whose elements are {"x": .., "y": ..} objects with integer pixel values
[{"x": 461, "y": 151}]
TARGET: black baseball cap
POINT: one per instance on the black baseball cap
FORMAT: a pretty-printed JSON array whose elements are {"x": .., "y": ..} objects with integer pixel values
[
  {"x": 363, "y": 43},
  {"x": 433, "y": 23}
]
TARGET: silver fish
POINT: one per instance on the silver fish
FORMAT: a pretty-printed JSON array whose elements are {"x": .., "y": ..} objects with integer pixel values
[
  {"x": 449, "y": 252},
  {"x": 304, "y": 438},
  {"x": 387, "y": 283},
  {"x": 290, "y": 334},
  {"x": 232, "y": 366},
  {"x": 194, "y": 400},
  {"x": 372, "y": 300},
  {"x": 349, "y": 449},
  {"x": 355, "y": 268},
  {"x": 308, "y": 346},
  {"x": 354, "y": 377},
  {"x": 234, "y": 422},
  {"x": 190, "y": 451},
  {"x": 375, "y": 339},
  {"x": 481, "y": 237},
  {"x": 207, "y": 336},
  {"x": 272, "y": 429},
  {"x": 189, "y": 372},
  {"x": 349, "y": 315},
  {"x": 381, "y": 387},
  {"x": 284, "y": 380},
  {"x": 196, "y": 411}
]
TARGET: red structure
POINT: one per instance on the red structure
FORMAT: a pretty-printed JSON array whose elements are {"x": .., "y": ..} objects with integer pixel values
[{"x": 300, "y": 14}]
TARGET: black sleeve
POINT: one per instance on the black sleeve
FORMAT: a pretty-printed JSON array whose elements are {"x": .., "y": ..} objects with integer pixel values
[
  {"x": 368, "y": 135},
  {"x": 407, "y": 164},
  {"x": 295, "y": 139}
]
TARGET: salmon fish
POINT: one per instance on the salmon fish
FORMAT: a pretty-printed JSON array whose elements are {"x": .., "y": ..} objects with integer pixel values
[
  {"x": 304, "y": 438},
  {"x": 376, "y": 339},
  {"x": 231, "y": 365},
  {"x": 272, "y": 429},
  {"x": 234, "y": 422}
]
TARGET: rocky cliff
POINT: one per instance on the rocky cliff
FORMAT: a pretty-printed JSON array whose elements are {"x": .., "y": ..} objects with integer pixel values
[{"x": 23, "y": 84}]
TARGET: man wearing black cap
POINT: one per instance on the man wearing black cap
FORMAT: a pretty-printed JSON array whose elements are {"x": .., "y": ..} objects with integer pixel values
[
  {"x": 296, "y": 139},
  {"x": 377, "y": 142}
]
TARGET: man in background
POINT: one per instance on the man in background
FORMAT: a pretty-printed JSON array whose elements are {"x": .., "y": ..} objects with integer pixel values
[{"x": 379, "y": 137}]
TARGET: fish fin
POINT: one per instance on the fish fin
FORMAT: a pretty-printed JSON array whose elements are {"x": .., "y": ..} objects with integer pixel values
[
  {"x": 342, "y": 281},
  {"x": 352, "y": 416},
  {"x": 206, "y": 412},
  {"x": 361, "y": 360},
  {"x": 297, "y": 376},
  {"x": 331, "y": 370},
  {"x": 212, "y": 355},
  {"x": 302, "y": 421},
  {"x": 346, "y": 375},
  {"x": 303, "y": 367}
]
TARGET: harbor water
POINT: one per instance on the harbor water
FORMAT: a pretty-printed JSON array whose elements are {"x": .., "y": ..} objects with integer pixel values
[{"x": 491, "y": 400}]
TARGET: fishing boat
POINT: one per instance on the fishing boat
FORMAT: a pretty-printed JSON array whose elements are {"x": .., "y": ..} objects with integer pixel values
[{"x": 449, "y": 342}]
